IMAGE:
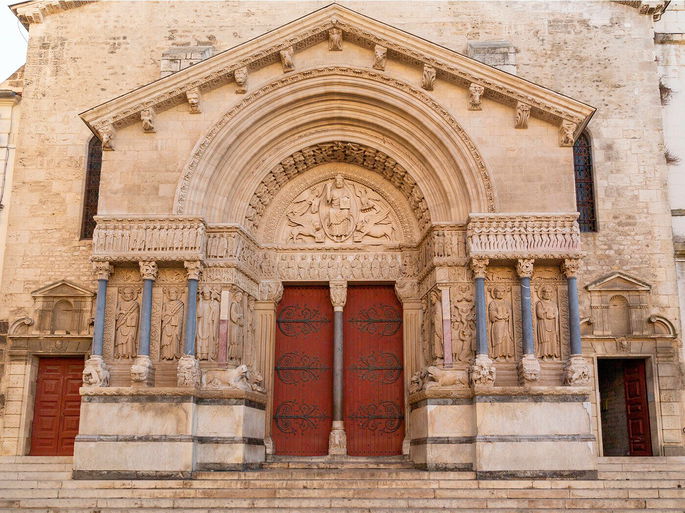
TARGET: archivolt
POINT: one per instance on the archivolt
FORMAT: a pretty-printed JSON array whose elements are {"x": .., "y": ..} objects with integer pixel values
[{"x": 317, "y": 106}]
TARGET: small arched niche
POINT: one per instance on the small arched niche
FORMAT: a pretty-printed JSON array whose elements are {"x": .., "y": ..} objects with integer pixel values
[
  {"x": 62, "y": 317},
  {"x": 619, "y": 316}
]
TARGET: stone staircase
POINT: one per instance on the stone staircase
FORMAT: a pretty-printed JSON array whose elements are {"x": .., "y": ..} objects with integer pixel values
[{"x": 41, "y": 484}]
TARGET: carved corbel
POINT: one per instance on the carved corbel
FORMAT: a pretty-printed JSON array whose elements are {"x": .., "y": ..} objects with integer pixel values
[
  {"x": 407, "y": 290},
  {"x": 240, "y": 77},
  {"x": 338, "y": 290},
  {"x": 479, "y": 265},
  {"x": 271, "y": 290},
  {"x": 106, "y": 132},
  {"x": 335, "y": 40},
  {"x": 524, "y": 267},
  {"x": 567, "y": 131},
  {"x": 193, "y": 96},
  {"x": 102, "y": 270},
  {"x": 287, "y": 59},
  {"x": 147, "y": 116},
  {"x": 522, "y": 115},
  {"x": 380, "y": 57},
  {"x": 20, "y": 325},
  {"x": 475, "y": 93},
  {"x": 193, "y": 269},
  {"x": 148, "y": 270},
  {"x": 428, "y": 77},
  {"x": 570, "y": 267}
]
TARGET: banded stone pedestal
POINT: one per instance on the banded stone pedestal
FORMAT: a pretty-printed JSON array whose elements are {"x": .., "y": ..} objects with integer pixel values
[
  {"x": 505, "y": 432},
  {"x": 157, "y": 433}
]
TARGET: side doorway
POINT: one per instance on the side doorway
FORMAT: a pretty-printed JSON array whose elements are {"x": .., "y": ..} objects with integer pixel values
[
  {"x": 624, "y": 407},
  {"x": 57, "y": 406}
]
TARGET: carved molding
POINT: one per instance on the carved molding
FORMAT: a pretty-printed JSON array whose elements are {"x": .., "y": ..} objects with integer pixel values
[
  {"x": 514, "y": 236},
  {"x": 326, "y": 265},
  {"x": 35, "y": 12},
  {"x": 337, "y": 151},
  {"x": 653, "y": 8},
  {"x": 309, "y": 30}
]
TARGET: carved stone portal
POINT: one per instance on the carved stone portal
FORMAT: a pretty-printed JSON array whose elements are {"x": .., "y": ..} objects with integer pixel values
[{"x": 339, "y": 211}]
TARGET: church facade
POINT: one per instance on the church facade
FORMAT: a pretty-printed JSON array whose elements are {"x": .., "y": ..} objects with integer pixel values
[{"x": 247, "y": 231}]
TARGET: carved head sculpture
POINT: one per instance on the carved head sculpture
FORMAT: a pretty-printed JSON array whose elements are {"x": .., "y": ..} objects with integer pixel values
[
  {"x": 173, "y": 294},
  {"x": 206, "y": 293},
  {"x": 238, "y": 296},
  {"x": 129, "y": 293},
  {"x": 546, "y": 292},
  {"x": 339, "y": 181},
  {"x": 498, "y": 293}
]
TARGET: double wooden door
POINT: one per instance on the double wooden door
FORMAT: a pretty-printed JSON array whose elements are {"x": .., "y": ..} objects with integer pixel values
[
  {"x": 57, "y": 406},
  {"x": 373, "y": 391},
  {"x": 637, "y": 408}
]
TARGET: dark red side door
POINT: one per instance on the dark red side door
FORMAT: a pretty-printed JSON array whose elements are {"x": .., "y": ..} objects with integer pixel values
[
  {"x": 303, "y": 375},
  {"x": 57, "y": 406},
  {"x": 373, "y": 371},
  {"x": 637, "y": 408}
]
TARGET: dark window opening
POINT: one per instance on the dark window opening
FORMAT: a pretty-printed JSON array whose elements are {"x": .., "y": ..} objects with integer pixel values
[
  {"x": 585, "y": 187},
  {"x": 92, "y": 190}
]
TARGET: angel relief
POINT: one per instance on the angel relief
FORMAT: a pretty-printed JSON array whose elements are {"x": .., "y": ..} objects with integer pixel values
[{"x": 339, "y": 211}]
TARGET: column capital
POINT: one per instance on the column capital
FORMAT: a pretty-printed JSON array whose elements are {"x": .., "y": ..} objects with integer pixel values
[
  {"x": 102, "y": 270},
  {"x": 524, "y": 267},
  {"x": 148, "y": 270},
  {"x": 270, "y": 290},
  {"x": 407, "y": 290},
  {"x": 479, "y": 265},
  {"x": 570, "y": 267},
  {"x": 338, "y": 294},
  {"x": 193, "y": 269}
]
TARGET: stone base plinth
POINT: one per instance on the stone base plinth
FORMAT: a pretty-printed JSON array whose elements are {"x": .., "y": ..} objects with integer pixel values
[
  {"x": 504, "y": 432},
  {"x": 167, "y": 432}
]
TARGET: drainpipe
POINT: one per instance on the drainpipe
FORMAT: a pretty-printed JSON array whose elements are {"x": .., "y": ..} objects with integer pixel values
[{"x": 7, "y": 147}]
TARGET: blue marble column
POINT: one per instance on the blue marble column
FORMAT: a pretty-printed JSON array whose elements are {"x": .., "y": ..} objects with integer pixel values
[
  {"x": 524, "y": 269},
  {"x": 570, "y": 269},
  {"x": 148, "y": 271},
  {"x": 191, "y": 311},
  {"x": 102, "y": 270},
  {"x": 479, "y": 266}
]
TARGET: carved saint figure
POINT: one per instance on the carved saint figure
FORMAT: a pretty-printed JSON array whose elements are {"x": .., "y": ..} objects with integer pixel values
[
  {"x": 339, "y": 221},
  {"x": 240, "y": 77},
  {"x": 475, "y": 93},
  {"x": 126, "y": 324},
  {"x": 250, "y": 358},
  {"x": 172, "y": 325},
  {"x": 436, "y": 307},
  {"x": 499, "y": 315},
  {"x": 335, "y": 40},
  {"x": 193, "y": 97},
  {"x": 303, "y": 217},
  {"x": 207, "y": 324},
  {"x": 237, "y": 318},
  {"x": 548, "y": 324},
  {"x": 147, "y": 116},
  {"x": 380, "y": 54}
]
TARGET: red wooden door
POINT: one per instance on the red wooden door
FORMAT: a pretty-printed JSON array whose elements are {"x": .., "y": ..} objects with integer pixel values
[
  {"x": 637, "y": 408},
  {"x": 373, "y": 373},
  {"x": 57, "y": 406},
  {"x": 303, "y": 372}
]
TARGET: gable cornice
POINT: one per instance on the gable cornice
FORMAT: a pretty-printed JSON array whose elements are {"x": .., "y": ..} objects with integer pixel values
[
  {"x": 653, "y": 8},
  {"x": 36, "y": 10},
  {"x": 362, "y": 30}
]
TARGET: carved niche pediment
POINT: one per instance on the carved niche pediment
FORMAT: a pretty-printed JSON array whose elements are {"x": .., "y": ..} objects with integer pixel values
[
  {"x": 618, "y": 282},
  {"x": 62, "y": 308}
]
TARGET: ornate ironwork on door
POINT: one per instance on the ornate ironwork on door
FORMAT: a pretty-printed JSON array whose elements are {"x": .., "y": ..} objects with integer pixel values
[
  {"x": 303, "y": 381},
  {"x": 373, "y": 374}
]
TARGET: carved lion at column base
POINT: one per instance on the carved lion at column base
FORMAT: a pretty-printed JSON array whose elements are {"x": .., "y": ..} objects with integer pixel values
[
  {"x": 482, "y": 371},
  {"x": 142, "y": 371},
  {"x": 95, "y": 372},
  {"x": 577, "y": 371},
  {"x": 188, "y": 372},
  {"x": 434, "y": 377},
  {"x": 239, "y": 378},
  {"x": 529, "y": 369}
]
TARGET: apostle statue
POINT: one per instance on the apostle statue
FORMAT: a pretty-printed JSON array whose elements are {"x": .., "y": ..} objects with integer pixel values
[
  {"x": 172, "y": 325},
  {"x": 499, "y": 315},
  {"x": 436, "y": 308},
  {"x": 207, "y": 325},
  {"x": 126, "y": 324},
  {"x": 237, "y": 321},
  {"x": 548, "y": 324}
]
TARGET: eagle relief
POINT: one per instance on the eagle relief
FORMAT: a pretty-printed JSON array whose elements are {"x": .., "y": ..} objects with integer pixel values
[{"x": 339, "y": 211}]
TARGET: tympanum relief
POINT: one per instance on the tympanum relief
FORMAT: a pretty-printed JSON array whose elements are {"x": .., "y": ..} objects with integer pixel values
[{"x": 339, "y": 211}]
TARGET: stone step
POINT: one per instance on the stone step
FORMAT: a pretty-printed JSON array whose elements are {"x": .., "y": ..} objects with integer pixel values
[
  {"x": 333, "y": 464},
  {"x": 641, "y": 475},
  {"x": 36, "y": 459},
  {"x": 337, "y": 473}
]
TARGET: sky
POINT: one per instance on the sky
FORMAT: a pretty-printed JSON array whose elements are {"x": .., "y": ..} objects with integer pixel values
[{"x": 12, "y": 41}]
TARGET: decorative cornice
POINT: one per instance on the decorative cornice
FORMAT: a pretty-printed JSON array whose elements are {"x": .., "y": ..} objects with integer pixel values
[
  {"x": 313, "y": 29},
  {"x": 653, "y": 8},
  {"x": 35, "y": 12}
]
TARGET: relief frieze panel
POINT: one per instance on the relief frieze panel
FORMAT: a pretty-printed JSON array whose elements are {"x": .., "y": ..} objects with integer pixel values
[{"x": 340, "y": 265}]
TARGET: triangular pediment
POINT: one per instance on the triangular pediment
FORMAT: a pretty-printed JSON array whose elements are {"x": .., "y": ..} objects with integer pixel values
[
  {"x": 357, "y": 29},
  {"x": 62, "y": 288},
  {"x": 616, "y": 282}
]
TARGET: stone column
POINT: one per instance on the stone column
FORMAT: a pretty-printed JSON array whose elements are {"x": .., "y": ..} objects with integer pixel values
[
  {"x": 142, "y": 371},
  {"x": 529, "y": 366},
  {"x": 188, "y": 371},
  {"x": 270, "y": 294},
  {"x": 446, "y": 325},
  {"x": 577, "y": 370},
  {"x": 482, "y": 371},
  {"x": 408, "y": 291},
  {"x": 95, "y": 372},
  {"x": 337, "y": 441}
]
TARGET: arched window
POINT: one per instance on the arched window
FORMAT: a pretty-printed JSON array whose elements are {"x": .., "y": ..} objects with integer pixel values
[
  {"x": 92, "y": 190},
  {"x": 585, "y": 187}
]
